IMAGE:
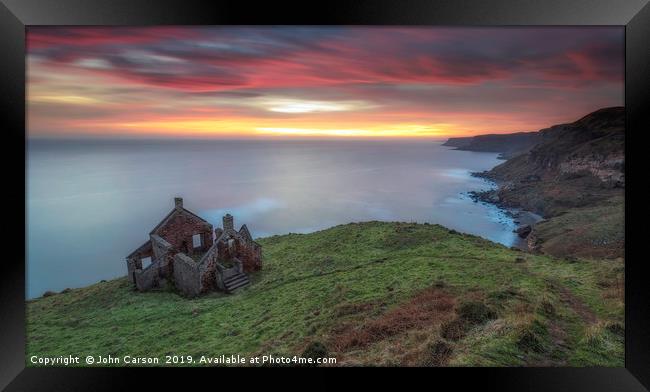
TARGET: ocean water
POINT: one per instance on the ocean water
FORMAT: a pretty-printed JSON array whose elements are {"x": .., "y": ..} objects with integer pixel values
[{"x": 90, "y": 203}]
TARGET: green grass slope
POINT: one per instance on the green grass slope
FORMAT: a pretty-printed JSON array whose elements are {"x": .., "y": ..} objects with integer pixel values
[
  {"x": 372, "y": 293},
  {"x": 595, "y": 231}
]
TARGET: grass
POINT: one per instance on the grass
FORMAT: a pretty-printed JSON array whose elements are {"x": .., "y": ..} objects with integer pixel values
[
  {"x": 595, "y": 231},
  {"x": 371, "y": 293}
]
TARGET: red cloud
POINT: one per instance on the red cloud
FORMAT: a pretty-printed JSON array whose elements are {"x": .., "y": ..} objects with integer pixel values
[
  {"x": 41, "y": 37},
  {"x": 211, "y": 60}
]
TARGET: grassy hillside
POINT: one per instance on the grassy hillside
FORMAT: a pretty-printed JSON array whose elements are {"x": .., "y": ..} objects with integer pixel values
[
  {"x": 373, "y": 294},
  {"x": 595, "y": 231}
]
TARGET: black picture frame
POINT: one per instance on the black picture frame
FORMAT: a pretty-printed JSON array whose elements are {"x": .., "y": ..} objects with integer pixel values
[{"x": 15, "y": 15}]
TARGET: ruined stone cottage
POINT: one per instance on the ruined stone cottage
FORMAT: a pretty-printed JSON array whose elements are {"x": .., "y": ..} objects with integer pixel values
[{"x": 183, "y": 250}]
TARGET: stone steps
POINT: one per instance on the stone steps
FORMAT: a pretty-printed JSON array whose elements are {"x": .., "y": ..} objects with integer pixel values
[{"x": 236, "y": 281}]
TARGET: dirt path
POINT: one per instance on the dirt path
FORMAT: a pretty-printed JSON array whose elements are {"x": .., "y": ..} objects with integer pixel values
[
  {"x": 557, "y": 327},
  {"x": 579, "y": 307},
  {"x": 567, "y": 297},
  {"x": 558, "y": 335}
]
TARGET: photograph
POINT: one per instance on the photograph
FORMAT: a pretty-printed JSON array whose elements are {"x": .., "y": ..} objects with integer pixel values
[{"x": 325, "y": 195}]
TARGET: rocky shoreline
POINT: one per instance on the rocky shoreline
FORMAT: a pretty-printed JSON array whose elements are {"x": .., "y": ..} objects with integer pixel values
[{"x": 523, "y": 219}]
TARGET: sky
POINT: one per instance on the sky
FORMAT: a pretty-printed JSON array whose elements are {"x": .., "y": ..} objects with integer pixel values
[{"x": 295, "y": 82}]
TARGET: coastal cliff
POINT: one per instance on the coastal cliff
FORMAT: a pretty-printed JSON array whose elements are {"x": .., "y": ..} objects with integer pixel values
[
  {"x": 574, "y": 177},
  {"x": 508, "y": 145}
]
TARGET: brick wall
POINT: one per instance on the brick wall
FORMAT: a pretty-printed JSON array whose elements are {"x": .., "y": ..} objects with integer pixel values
[
  {"x": 208, "y": 270},
  {"x": 178, "y": 231},
  {"x": 251, "y": 256}
]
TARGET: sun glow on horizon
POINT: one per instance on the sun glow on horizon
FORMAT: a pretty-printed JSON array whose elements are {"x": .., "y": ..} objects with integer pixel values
[
  {"x": 396, "y": 131},
  {"x": 189, "y": 127}
]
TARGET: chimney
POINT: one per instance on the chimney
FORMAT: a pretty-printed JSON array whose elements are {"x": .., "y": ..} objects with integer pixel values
[
  {"x": 228, "y": 222},
  {"x": 178, "y": 201}
]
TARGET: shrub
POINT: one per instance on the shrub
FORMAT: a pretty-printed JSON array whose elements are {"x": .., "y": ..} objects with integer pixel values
[
  {"x": 438, "y": 353},
  {"x": 346, "y": 309},
  {"x": 469, "y": 314},
  {"x": 423, "y": 310},
  {"x": 453, "y": 330},
  {"x": 616, "y": 329},
  {"x": 48, "y": 293},
  {"x": 594, "y": 336},
  {"x": 66, "y": 290},
  {"x": 532, "y": 337},
  {"x": 528, "y": 341},
  {"x": 504, "y": 295},
  {"x": 476, "y": 312},
  {"x": 547, "y": 308},
  {"x": 314, "y": 351}
]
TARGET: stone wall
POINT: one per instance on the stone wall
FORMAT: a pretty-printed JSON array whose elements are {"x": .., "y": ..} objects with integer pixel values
[
  {"x": 134, "y": 260},
  {"x": 148, "y": 278},
  {"x": 160, "y": 246},
  {"x": 164, "y": 253},
  {"x": 131, "y": 267},
  {"x": 186, "y": 276}
]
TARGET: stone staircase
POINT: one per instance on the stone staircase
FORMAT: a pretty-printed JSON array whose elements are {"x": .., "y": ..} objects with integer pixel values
[{"x": 236, "y": 281}]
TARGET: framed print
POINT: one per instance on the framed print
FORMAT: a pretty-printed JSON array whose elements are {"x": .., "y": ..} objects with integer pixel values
[{"x": 425, "y": 186}]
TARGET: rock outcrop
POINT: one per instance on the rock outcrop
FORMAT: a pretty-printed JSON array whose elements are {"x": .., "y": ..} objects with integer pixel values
[{"x": 524, "y": 231}]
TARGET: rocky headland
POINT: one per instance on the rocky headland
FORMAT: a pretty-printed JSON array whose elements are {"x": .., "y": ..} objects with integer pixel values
[
  {"x": 507, "y": 145},
  {"x": 573, "y": 176}
]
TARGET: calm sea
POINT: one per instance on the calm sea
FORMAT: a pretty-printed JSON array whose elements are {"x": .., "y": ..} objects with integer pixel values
[{"x": 90, "y": 203}]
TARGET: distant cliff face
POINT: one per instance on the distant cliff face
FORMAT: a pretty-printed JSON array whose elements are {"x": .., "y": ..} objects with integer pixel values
[
  {"x": 459, "y": 142},
  {"x": 574, "y": 176},
  {"x": 509, "y": 145},
  {"x": 590, "y": 147}
]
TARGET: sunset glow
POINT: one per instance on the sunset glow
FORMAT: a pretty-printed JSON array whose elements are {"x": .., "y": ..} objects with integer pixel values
[{"x": 243, "y": 82}]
